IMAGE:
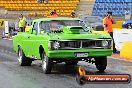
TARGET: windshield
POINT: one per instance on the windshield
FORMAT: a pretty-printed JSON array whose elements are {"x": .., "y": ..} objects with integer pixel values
[{"x": 57, "y": 24}]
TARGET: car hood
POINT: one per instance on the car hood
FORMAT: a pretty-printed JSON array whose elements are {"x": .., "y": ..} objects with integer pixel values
[{"x": 63, "y": 36}]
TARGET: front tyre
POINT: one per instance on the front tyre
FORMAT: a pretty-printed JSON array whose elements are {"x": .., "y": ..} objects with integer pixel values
[
  {"x": 22, "y": 59},
  {"x": 101, "y": 63},
  {"x": 46, "y": 64},
  {"x": 129, "y": 26}
]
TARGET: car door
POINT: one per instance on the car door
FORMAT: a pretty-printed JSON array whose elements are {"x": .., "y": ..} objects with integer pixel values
[{"x": 32, "y": 41}]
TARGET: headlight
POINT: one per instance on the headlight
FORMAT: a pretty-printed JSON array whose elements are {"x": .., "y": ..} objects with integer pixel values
[
  {"x": 49, "y": 44},
  {"x": 105, "y": 43},
  {"x": 53, "y": 45},
  {"x": 56, "y": 45}
]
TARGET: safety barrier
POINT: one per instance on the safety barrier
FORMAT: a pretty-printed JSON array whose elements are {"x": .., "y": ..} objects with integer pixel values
[
  {"x": 122, "y": 36},
  {"x": 126, "y": 50},
  {"x": 118, "y": 24}
]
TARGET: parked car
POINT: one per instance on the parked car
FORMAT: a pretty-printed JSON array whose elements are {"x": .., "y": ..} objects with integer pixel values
[
  {"x": 62, "y": 39},
  {"x": 127, "y": 24}
]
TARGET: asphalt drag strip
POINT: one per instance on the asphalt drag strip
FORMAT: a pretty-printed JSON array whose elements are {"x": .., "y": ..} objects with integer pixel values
[{"x": 14, "y": 76}]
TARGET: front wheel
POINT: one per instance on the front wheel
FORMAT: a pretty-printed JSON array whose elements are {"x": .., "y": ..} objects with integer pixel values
[
  {"x": 129, "y": 26},
  {"x": 46, "y": 64},
  {"x": 101, "y": 63},
  {"x": 22, "y": 59}
]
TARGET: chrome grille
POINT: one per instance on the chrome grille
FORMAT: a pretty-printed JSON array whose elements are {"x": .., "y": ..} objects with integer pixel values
[
  {"x": 86, "y": 43},
  {"x": 70, "y": 44}
]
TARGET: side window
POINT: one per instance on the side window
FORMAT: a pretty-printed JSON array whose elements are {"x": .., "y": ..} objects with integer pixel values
[
  {"x": 35, "y": 28},
  {"x": 44, "y": 26}
]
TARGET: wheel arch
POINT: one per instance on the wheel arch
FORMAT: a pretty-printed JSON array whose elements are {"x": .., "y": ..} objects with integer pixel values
[
  {"x": 41, "y": 50},
  {"x": 18, "y": 46}
]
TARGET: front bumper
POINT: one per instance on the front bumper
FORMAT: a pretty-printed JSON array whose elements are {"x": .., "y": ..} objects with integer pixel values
[{"x": 71, "y": 53}]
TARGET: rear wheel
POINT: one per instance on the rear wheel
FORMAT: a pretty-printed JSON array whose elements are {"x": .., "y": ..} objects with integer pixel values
[
  {"x": 101, "y": 63},
  {"x": 47, "y": 64},
  {"x": 23, "y": 60}
]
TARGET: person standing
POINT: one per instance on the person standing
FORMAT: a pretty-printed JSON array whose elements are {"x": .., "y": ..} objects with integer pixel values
[
  {"x": 107, "y": 22},
  {"x": 22, "y": 23},
  {"x": 53, "y": 14},
  {"x": 73, "y": 15},
  {"x": 28, "y": 28}
]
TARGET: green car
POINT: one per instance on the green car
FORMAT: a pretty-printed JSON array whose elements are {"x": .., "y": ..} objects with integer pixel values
[{"x": 62, "y": 39}]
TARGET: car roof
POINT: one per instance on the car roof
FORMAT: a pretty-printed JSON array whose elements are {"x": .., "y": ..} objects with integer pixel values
[{"x": 56, "y": 18}]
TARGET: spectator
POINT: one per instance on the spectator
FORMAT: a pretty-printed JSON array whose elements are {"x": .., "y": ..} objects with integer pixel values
[
  {"x": 51, "y": 15},
  {"x": 27, "y": 29},
  {"x": 39, "y": 1},
  {"x": 107, "y": 22},
  {"x": 22, "y": 23},
  {"x": 73, "y": 15},
  {"x": 45, "y": 1},
  {"x": 42, "y": 1},
  {"x": 54, "y": 14},
  {"x": 35, "y": 15}
]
